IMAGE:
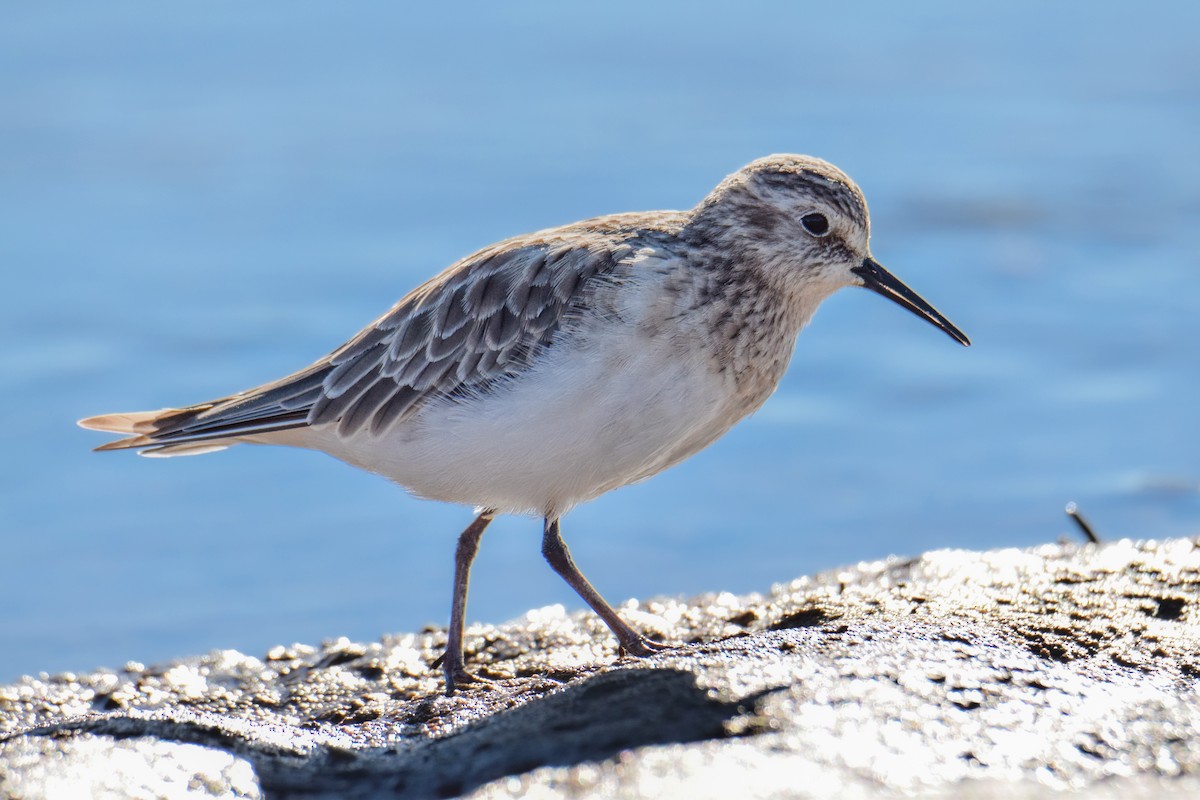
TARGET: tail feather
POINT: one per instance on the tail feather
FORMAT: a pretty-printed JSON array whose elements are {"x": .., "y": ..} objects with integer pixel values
[
  {"x": 125, "y": 444},
  {"x": 167, "y": 451},
  {"x": 176, "y": 431},
  {"x": 137, "y": 421},
  {"x": 216, "y": 424},
  {"x": 150, "y": 428},
  {"x": 145, "y": 425}
]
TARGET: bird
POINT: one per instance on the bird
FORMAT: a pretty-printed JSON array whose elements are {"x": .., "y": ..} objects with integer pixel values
[{"x": 547, "y": 369}]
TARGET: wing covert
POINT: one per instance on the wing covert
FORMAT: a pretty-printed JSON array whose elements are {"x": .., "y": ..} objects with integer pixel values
[{"x": 478, "y": 322}]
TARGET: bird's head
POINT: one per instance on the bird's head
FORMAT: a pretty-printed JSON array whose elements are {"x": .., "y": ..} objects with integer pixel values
[{"x": 804, "y": 223}]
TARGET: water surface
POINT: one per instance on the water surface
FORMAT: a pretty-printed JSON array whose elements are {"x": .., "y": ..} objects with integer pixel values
[{"x": 195, "y": 199}]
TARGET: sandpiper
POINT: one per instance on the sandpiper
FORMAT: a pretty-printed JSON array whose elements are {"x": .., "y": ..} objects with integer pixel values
[{"x": 550, "y": 368}]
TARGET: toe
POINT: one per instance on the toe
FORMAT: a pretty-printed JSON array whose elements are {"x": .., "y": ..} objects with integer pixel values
[
  {"x": 458, "y": 676},
  {"x": 642, "y": 647}
]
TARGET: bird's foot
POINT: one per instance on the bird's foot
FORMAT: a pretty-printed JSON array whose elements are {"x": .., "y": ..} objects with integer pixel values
[
  {"x": 456, "y": 673},
  {"x": 641, "y": 647}
]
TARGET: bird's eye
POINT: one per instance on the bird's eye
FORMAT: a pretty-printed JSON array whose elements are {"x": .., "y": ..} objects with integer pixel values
[{"x": 815, "y": 223}]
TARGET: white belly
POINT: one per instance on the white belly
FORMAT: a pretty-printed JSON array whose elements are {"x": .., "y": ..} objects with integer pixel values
[{"x": 588, "y": 419}]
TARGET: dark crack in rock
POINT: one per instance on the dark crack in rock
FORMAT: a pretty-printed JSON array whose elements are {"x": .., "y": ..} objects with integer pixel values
[{"x": 1000, "y": 674}]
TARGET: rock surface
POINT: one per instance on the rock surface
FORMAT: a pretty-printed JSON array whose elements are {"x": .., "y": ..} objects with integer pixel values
[{"x": 999, "y": 674}]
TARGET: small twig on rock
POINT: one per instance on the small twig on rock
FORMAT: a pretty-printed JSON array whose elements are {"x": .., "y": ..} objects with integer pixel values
[{"x": 1073, "y": 512}]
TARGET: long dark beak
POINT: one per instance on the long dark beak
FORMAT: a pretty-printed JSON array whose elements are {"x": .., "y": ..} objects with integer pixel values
[{"x": 879, "y": 280}]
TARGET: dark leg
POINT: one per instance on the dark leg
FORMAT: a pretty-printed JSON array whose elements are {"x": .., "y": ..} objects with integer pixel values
[
  {"x": 556, "y": 552},
  {"x": 452, "y": 661}
]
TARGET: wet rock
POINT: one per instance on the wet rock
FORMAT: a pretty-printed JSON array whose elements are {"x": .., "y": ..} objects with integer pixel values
[{"x": 998, "y": 674}]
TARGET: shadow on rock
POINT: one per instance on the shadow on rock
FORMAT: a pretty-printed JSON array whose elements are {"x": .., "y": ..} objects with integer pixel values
[{"x": 589, "y": 721}]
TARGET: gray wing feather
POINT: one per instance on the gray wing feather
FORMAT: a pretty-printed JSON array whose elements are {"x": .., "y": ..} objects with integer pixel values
[{"x": 479, "y": 322}]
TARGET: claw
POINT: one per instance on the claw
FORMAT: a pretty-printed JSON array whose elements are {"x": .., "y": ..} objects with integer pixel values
[
  {"x": 456, "y": 673},
  {"x": 642, "y": 647}
]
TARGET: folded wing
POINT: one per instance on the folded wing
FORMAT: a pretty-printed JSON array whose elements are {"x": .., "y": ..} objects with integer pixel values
[{"x": 481, "y": 321}]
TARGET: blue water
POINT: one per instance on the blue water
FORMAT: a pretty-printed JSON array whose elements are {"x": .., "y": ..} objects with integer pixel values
[{"x": 195, "y": 198}]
